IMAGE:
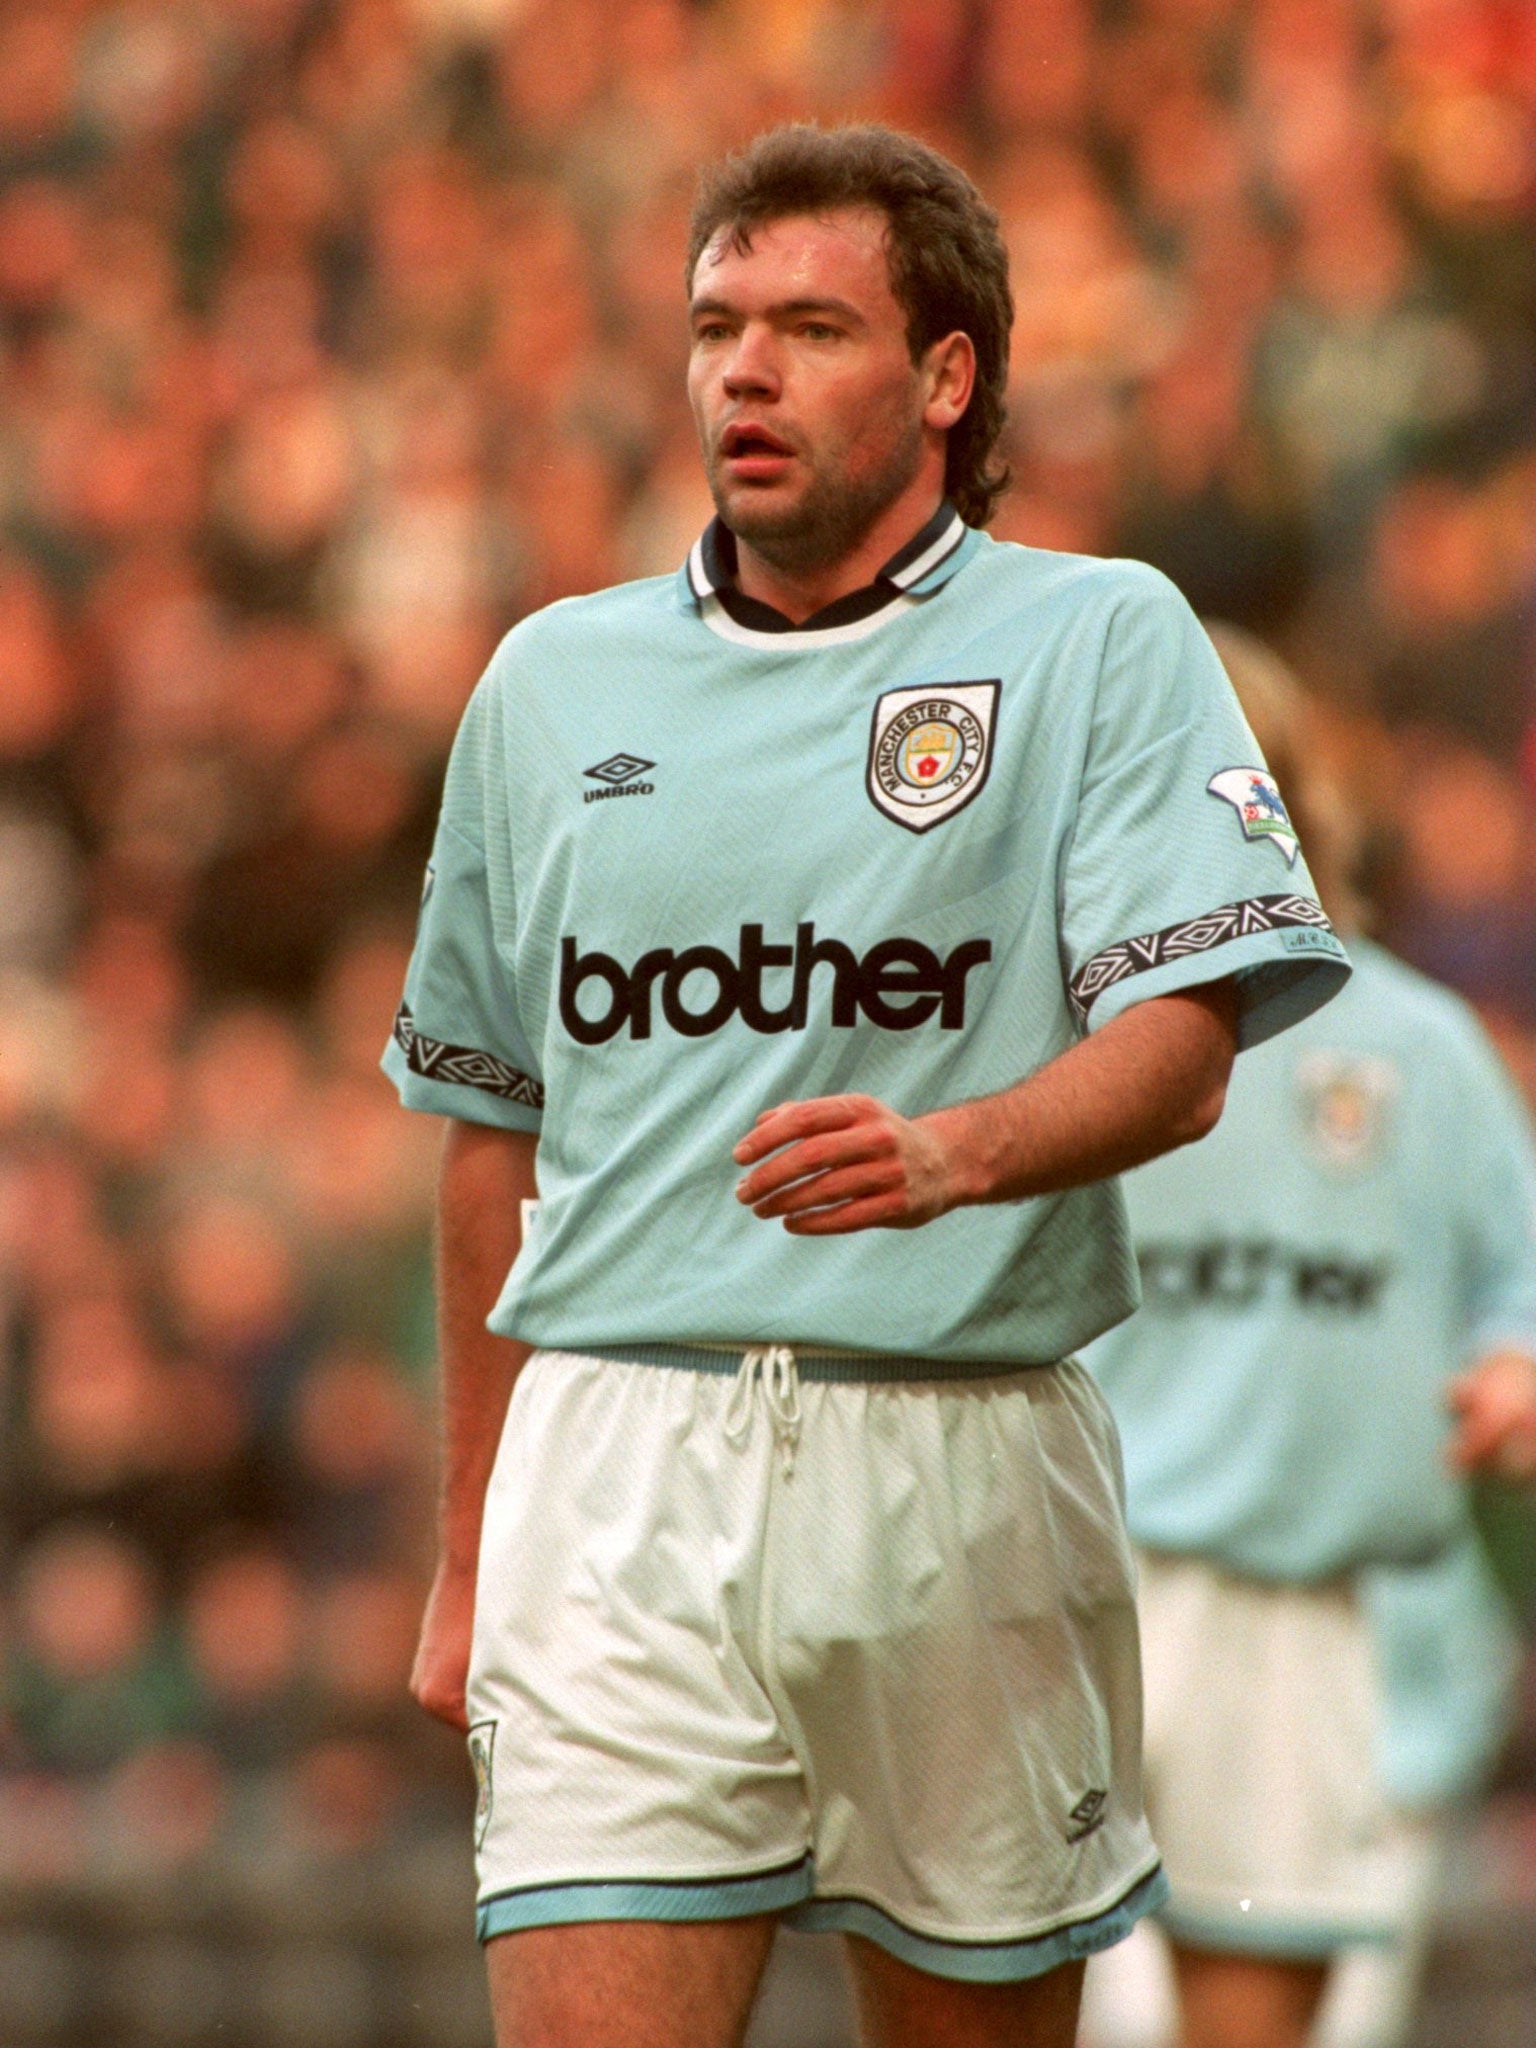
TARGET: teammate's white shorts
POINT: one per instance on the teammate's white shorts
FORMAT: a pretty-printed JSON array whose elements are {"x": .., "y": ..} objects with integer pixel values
[
  {"x": 1261, "y": 1777},
  {"x": 754, "y": 1639}
]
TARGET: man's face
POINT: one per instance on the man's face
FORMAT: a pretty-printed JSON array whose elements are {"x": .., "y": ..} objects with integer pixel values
[{"x": 809, "y": 406}]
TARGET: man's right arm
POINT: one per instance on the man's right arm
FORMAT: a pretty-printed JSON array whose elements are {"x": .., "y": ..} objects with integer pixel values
[{"x": 486, "y": 1174}]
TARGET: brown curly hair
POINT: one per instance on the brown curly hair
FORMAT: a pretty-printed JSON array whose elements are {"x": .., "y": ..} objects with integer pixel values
[{"x": 948, "y": 265}]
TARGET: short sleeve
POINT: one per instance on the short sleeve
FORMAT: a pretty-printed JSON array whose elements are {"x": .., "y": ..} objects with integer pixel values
[
  {"x": 1183, "y": 867},
  {"x": 1498, "y": 1182},
  {"x": 458, "y": 1047}
]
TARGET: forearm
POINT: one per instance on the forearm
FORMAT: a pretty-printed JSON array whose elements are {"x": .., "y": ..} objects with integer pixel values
[
  {"x": 485, "y": 1176},
  {"x": 1151, "y": 1080}
]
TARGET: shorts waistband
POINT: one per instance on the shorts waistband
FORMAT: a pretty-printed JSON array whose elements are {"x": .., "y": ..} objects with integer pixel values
[{"x": 814, "y": 1362}]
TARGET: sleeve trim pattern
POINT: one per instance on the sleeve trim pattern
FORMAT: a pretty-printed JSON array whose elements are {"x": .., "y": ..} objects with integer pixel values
[
  {"x": 1194, "y": 935},
  {"x": 436, "y": 1061}
]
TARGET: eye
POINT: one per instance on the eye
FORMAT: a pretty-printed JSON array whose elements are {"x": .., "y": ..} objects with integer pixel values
[
  {"x": 819, "y": 330},
  {"x": 711, "y": 330}
]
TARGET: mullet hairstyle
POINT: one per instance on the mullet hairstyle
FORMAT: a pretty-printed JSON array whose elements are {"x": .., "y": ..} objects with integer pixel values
[{"x": 948, "y": 265}]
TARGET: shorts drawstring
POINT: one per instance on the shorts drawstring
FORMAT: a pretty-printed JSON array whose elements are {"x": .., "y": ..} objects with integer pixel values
[{"x": 774, "y": 1364}]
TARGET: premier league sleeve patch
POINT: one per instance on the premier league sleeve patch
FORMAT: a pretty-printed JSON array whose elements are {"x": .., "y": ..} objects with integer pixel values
[
  {"x": 1260, "y": 808},
  {"x": 930, "y": 748}
]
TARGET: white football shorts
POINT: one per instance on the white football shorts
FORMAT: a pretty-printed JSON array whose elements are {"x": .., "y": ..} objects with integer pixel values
[
  {"x": 1261, "y": 1777},
  {"x": 755, "y": 1635}
]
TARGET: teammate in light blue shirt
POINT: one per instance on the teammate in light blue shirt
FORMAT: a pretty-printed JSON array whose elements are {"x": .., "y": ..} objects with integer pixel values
[
  {"x": 1317, "y": 1275},
  {"x": 866, "y": 875},
  {"x": 1313, "y": 1275}
]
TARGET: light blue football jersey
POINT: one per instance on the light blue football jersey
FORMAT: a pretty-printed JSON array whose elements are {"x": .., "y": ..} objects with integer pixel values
[
  {"x": 693, "y": 863},
  {"x": 1358, "y": 1226},
  {"x": 1355, "y": 1228}
]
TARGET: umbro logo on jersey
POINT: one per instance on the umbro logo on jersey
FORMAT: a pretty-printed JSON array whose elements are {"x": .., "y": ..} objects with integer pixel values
[
  {"x": 1087, "y": 1815},
  {"x": 898, "y": 985},
  {"x": 618, "y": 775},
  {"x": 930, "y": 748}
]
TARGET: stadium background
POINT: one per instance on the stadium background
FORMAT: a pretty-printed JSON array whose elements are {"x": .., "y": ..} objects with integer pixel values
[{"x": 337, "y": 334}]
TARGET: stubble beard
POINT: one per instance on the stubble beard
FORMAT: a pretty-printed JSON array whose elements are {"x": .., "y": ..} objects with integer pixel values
[{"x": 830, "y": 519}]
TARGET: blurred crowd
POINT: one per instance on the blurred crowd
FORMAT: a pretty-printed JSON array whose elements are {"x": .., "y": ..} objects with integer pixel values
[{"x": 337, "y": 334}]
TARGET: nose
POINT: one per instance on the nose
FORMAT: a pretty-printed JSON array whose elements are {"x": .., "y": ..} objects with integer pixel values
[{"x": 752, "y": 367}]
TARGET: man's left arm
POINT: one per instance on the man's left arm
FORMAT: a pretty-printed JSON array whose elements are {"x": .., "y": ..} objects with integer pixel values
[{"x": 1152, "y": 1078}]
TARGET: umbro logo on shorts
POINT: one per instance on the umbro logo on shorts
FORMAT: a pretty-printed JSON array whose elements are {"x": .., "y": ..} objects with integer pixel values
[
  {"x": 898, "y": 985},
  {"x": 1087, "y": 1815},
  {"x": 618, "y": 776}
]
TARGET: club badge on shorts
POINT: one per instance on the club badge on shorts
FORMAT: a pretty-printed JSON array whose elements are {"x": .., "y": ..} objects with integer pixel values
[
  {"x": 930, "y": 747},
  {"x": 482, "y": 1750},
  {"x": 1260, "y": 808}
]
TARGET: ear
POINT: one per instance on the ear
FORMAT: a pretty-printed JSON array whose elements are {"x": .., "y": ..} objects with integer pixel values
[{"x": 949, "y": 367}]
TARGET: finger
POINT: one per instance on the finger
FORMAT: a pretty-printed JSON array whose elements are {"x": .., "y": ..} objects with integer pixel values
[
  {"x": 793, "y": 1120},
  {"x": 872, "y": 1212},
  {"x": 789, "y": 1120},
  {"x": 1459, "y": 1454},
  {"x": 814, "y": 1155},
  {"x": 1478, "y": 1438},
  {"x": 443, "y": 1706},
  {"x": 1517, "y": 1459},
  {"x": 851, "y": 1183}
]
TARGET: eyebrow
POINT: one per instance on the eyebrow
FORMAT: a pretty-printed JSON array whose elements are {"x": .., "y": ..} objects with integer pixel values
[{"x": 785, "y": 307}]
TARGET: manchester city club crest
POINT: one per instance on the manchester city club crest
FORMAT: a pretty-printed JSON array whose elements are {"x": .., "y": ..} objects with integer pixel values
[
  {"x": 482, "y": 1749},
  {"x": 1260, "y": 808},
  {"x": 930, "y": 747},
  {"x": 1346, "y": 1107}
]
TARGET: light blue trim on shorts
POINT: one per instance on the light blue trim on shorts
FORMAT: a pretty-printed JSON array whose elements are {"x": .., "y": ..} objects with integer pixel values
[
  {"x": 1292, "y": 1941},
  {"x": 727, "y": 1898},
  {"x": 839, "y": 1367},
  {"x": 985, "y": 1962},
  {"x": 787, "y": 1890}
]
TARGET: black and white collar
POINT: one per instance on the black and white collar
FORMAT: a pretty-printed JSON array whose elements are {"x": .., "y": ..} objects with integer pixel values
[{"x": 923, "y": 565}]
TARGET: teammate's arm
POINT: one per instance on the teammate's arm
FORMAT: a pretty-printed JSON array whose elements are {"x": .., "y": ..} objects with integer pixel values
[
  {"x": 1153, "y": 1078},
  {"x": 486, "y": 1174},
  {"x": 1494, "y": 1403},
  {"x": 1491, "y": 1157}
]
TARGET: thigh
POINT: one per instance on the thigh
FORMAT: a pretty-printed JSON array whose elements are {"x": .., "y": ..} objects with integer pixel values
[
  {"x": 1235, "y": 2001},
  {"x": 627, "y": 1984},
  {"x": 900, "y": 2007}
]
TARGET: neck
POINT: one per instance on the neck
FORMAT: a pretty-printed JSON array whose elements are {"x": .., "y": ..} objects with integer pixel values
[{"x": 800, "y": 589}]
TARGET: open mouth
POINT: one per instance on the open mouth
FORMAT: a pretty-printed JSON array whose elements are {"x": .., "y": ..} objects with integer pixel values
[{"x": 744, "y": 442}]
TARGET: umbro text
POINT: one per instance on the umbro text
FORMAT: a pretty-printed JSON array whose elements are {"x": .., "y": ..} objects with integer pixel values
[
  {"x": 898, "y": 985},
  {"x": 596, "y": 796}
]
